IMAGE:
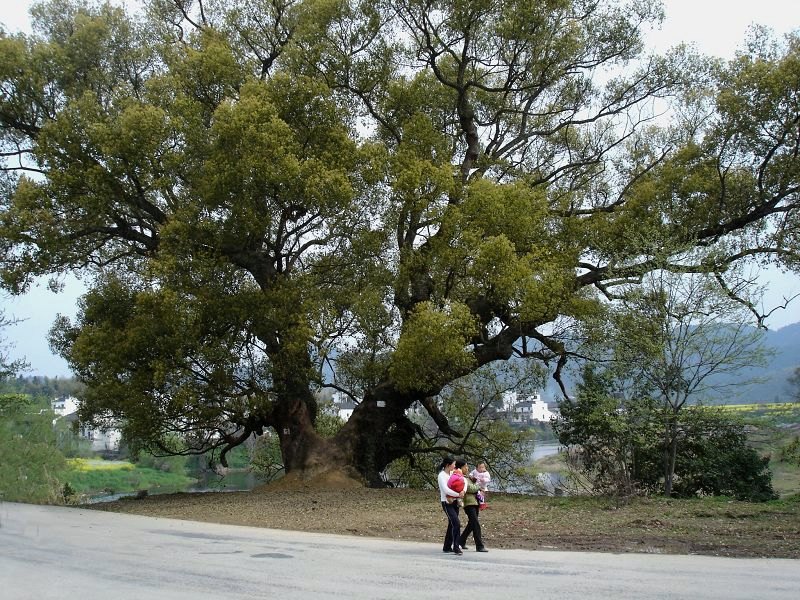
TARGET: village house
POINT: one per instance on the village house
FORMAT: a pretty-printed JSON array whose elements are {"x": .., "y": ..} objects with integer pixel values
[
  {"x": 103, "y": 440},
  {"x": 343, "y": 406},
  {"x": 526, "y": 412}
]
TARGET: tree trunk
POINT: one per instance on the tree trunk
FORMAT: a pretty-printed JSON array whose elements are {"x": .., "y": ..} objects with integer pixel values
[
  {"x": 294, "y": 413},
  {"x": 377, "y": 433},
  {"x": 670, "y": 453}
]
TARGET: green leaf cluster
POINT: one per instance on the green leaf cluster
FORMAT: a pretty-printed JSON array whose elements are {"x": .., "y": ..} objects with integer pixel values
[{"x": 433, "y": 347}]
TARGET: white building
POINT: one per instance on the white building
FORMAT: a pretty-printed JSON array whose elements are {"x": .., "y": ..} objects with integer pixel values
[
  {"x": 103, "y": 440},
  {"x": 531, "y": 410},
  {"x": 64, "y": 405},
  {"x": 343, "y": 406}
]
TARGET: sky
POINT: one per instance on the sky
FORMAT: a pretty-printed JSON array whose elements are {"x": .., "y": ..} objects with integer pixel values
[{"x": 715, "y": 27}]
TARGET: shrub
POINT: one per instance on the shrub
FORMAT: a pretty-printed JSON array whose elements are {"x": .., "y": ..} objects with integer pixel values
[
  {"x": 616, "y": 447},
  {"x": 31, "y": 467}
]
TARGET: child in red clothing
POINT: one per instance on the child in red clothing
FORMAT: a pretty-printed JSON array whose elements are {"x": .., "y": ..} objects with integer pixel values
[{"x": 456, "y": 483}]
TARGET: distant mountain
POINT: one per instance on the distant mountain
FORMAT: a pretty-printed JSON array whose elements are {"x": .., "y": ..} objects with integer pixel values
[{"x": 785, "y": 344}]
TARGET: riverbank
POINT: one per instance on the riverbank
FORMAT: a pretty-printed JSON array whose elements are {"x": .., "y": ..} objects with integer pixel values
[{"x": 711, "y": 526}]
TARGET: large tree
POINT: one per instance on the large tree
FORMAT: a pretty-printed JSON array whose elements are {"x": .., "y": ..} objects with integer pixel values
[{"x": 268, "y": 197}]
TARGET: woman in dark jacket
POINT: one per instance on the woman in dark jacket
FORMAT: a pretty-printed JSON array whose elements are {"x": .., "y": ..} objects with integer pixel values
[{"x": 472, "y": 509}]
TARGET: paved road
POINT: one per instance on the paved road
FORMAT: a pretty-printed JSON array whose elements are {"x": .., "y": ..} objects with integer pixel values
[{"x": 74, "y": 554}]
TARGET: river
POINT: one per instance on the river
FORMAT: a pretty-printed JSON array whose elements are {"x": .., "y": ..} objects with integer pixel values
[
  {"x": 235, "y": 481},
  {"x": 547, "y": 449},
  {"x": 207, "y": 481}
]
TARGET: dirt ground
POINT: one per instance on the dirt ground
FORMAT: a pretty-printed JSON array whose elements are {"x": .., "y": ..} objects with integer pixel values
[{"x": 341, "y": 506}]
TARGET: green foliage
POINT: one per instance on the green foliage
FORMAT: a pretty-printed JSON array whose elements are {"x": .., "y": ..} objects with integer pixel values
[
  {"x": 791, "y": 452},
  {"x": 69, "y": 443},
  {"x": 266, "y": 459},
  {"x": 432, "y": 349},
  {"x": 98, "y": 477},
  {"x": 32, "y": 469},
  {"x": 167, "y": 464},
  {"x": 328, "y": 425},
  {"x": 31, "y": 466},
  {"x": 715, "y": 458},
  {"x": 38, "y": 386},
  {"x": 617, "y": 447},
  {"x": 613, "y": 447},
  {"x": 429, "y": 193}
]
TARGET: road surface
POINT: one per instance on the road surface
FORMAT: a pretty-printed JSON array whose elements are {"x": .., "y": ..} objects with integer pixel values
[{"x": 64, "y": 553}]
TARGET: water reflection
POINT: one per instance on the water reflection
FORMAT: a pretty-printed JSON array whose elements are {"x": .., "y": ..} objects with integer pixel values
[
  {"x": 542, "y": 450},
  {"x": 545, "y": 483}
]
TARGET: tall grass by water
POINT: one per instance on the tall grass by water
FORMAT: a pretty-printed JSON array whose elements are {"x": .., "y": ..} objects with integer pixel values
[{"x": 93, "y": 477}]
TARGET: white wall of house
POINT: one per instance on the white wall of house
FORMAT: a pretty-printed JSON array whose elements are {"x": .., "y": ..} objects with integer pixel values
[
  {"x": 102, "y": 440},
  {"x": 342, "y": 406},
  {"x": 532, "y": 409},
  {"x": 105, "y": 441},
  {"x": 64, "y": 405},
  {"x": 539, "y": 409},
  {"x": 509, "y": 401}
]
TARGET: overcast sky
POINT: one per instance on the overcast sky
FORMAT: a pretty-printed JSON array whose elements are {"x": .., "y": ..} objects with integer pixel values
[{"x": 716, "y": 27}]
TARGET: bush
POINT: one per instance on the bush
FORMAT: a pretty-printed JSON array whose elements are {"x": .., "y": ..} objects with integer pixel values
[
  {"x": 31, "y": 468},
  {"x": 612, "y": 448},
  {"x": 715, "y": 459},
  {"x": 267, "y": 461},
  {"x": 166, "y": 464},
  {"x": 617, "y": 447},
  {"x": 791, "y": 452}
]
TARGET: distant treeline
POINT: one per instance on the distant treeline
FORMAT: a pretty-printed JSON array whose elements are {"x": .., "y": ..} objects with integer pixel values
[{"x": 41, "y": 386}]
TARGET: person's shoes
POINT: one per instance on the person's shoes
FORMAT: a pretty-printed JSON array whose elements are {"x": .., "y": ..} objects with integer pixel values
[
  {"x": 463, "y": 547},
  {"x": 457, "y": 552},
  {"x": 447, "y": 549},
  {"x": 481, "y": 550}
]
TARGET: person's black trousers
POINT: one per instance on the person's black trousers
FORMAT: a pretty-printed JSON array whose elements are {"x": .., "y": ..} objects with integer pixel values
[
  {"x": 453, "y": 527},
  {"x": 473, "y": 527}
]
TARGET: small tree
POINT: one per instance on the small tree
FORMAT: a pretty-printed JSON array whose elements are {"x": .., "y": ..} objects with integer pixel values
[
  {"x": 794, "y": 383},
  {"x": 715, "y": 458},
  {"x": 613, "y": 446},
  {"x": 610, "y": 443},
  {"x": 472, "y": 406},
  {"x": 672, "y": 339}
]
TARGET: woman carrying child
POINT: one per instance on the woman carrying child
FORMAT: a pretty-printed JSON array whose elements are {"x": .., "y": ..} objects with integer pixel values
[
  {"x": 471, "y": 507},
  {"x": 450, "y": 507}
]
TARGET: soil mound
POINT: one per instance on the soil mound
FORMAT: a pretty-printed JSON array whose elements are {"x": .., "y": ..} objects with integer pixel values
[{"x": 305, "y": 481}]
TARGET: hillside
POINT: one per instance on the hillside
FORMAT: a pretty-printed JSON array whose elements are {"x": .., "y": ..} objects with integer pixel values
[{"x": 772, "y": 386}]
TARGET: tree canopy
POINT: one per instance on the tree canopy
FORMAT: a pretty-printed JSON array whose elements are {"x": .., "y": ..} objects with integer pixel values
[{"x": 269, "y": 197}]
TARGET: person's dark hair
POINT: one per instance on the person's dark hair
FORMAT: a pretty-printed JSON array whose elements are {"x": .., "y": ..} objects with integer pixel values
[
  {"x": 446, "y": 460},
  {"x": 460, "y": 463}
]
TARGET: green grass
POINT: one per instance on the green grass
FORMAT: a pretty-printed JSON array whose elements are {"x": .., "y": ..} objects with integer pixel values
[
  {"x": 118, "y": 477},
  {"x": 777, "y": 413}
]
